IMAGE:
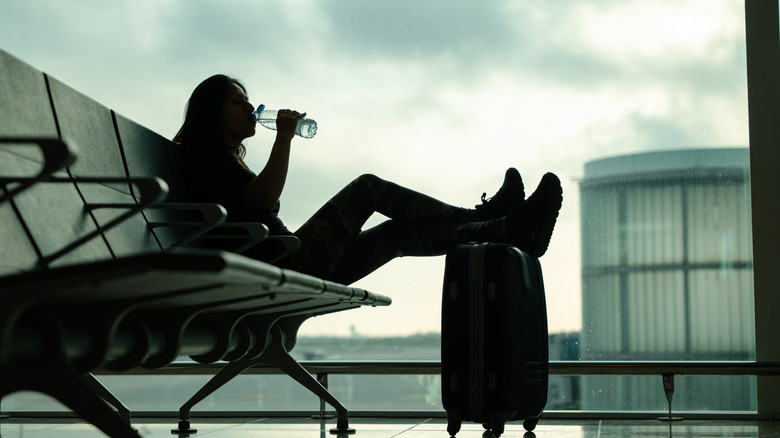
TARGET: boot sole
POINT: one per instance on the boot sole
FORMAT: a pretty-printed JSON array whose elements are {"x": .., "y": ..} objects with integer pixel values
[{"x": 553, "y": 200}]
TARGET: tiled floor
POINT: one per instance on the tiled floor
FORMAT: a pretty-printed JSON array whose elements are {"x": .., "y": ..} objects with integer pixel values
[{"x": 401, "y": 428}]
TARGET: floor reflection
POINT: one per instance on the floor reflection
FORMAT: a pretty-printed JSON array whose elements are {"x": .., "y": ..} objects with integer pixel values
[{"x": 396, "y": 428}]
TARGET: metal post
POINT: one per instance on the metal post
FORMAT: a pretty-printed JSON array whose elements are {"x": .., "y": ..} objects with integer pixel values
[
  {"x": 763, "y": 72},
  {"x": 322, "y": 378},
  {"x": 668, "y": 381}
]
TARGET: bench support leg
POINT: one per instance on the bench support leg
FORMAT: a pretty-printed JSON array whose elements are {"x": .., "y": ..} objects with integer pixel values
[
  {"x": 109, "y": 397},
  {"x": 70, "y": 389},
  {"x": 276, "y": 355},
  {"x": 226, "y": 374},
  {"x": 54, "y": 376}
]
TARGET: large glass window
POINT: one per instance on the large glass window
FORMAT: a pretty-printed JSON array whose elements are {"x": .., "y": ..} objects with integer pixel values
[
  {"x": 640, "y": 108},
  {"x": 670, "y": 275}
]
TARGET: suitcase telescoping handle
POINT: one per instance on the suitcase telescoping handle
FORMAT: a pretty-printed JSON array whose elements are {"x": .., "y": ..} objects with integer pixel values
[{"x": 477, "y": 329}]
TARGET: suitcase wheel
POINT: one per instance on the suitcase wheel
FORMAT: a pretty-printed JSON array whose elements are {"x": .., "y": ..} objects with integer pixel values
[
  {"x": 453, "y": 427},
  {"x": 493, "y": 429},
  {"x": 530, "y": 424}
]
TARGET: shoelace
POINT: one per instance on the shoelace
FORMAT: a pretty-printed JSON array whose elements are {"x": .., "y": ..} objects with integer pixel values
[{"x": 486, "y": 200}]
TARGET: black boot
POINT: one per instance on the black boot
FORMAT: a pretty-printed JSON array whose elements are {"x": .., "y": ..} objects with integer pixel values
[
  {"x": 530, "y": 225},
  {"x": 511, "y": 192}
]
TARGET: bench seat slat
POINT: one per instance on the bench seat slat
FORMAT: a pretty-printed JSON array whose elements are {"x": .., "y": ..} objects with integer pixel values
[{"x": 149, "y": 275}]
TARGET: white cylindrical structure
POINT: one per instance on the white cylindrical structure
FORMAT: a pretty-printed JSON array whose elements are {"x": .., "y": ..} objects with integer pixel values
[{"x": 666, "y": 266}]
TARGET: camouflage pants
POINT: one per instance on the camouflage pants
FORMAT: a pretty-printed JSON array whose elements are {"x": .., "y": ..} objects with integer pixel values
[{"x": 335, "y": 247}]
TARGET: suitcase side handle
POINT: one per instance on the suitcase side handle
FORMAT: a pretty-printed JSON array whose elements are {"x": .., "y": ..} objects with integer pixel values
[{"x": 524, "y": 260}]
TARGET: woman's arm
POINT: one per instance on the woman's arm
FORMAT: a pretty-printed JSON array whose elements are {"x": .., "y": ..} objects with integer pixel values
[{"x": 264, "y": 191}]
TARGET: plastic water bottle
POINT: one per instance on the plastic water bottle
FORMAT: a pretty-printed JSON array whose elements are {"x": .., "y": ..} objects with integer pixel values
[{"x": 306, "y": 128}]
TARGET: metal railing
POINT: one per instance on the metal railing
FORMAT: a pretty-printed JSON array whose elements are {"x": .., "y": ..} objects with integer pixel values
[
  {"x": 573, "y": 368},
  {"x": 665, "y": 369}
]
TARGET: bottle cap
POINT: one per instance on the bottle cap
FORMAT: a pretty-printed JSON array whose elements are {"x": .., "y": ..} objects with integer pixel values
[{"x": 260, "y": 108}]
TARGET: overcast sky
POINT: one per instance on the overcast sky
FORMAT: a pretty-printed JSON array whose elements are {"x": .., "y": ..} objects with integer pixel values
[{"x": 441, "y": 96}]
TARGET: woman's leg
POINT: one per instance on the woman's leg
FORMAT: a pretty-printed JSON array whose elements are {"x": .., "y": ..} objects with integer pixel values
[
  {"x": 368, "y": 194},
  {"x": 327, "y": 236},
  {"x": 334, "y": 247},
  {"x": 528, "y": 226},
  {"x": 378, "y": 245}
]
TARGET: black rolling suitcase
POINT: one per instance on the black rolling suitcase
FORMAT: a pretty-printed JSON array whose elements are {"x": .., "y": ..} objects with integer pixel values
[{"x": 494, "y": 352}]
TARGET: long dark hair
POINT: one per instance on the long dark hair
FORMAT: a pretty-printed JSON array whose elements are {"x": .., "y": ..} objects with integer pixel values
[{"x": 201, "y": 127}]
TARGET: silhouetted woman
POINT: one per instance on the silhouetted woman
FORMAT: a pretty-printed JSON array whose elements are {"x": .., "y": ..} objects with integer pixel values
[{"x": 334, "y": 245}]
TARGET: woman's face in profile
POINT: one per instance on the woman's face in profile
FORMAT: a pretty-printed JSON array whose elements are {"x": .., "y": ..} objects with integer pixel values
[{"x": 236, "y": 114}]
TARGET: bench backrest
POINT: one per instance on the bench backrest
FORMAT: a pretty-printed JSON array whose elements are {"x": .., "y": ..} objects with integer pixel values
[
  {"x": 40, "y": 221},
  {"x": 91, "y": 126},
  {"x": 44, "y": 220},
  {"x": 148, "y": 154},
  {"x": 21, "y": 86}
]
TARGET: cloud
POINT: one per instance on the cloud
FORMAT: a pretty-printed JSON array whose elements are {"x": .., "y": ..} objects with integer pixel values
[
  {"x": 437, "y": 95},
  {"x": 409, "y": 31}
]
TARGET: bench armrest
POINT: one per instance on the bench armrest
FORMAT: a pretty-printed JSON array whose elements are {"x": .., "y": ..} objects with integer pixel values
[
  {"x": 274, "y": 247},
  {"x": 255, "y": 233},
  {"x": 284, "y": 245},
  {"x": 213, "y": 227},
  {"x": 152, "y": 191},
  {"x": 57, "y": 154},
  {"x": 213, "y": 216}
]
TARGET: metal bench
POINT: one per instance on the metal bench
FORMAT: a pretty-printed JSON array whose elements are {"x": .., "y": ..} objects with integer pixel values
[{"x": 97, "y": 271}]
